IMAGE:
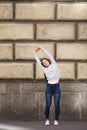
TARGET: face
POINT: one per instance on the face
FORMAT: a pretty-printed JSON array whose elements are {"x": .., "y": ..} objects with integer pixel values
[{"x": 45, "y": 62}]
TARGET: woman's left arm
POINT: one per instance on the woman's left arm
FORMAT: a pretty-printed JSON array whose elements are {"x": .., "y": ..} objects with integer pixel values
[{"x": 49, "y": 56}]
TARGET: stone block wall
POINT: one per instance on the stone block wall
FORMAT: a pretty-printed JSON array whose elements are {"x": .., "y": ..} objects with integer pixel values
[{"x": 60, "y": 26}]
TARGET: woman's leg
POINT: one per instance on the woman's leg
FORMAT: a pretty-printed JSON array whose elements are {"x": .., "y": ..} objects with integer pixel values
[
  {"x": 57, "y": 94},
  {"x": 48, "y": 95}
]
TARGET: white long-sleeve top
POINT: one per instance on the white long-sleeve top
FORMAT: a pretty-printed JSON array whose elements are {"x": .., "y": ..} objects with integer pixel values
[{"x": 52, "y": 71}]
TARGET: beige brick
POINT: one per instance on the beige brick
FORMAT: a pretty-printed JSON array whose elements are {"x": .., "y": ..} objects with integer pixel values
[
  {"x": 6, "y": 51},
  {"x": 35, "y": 11},
  {"x": 13, "y": 31},
  {"x": 82, "y": 31},
  {"x": 59, "y": 31},
  {"x": 67, "y": 70},
  {"x": 39, "y": 73},
  {"x": 26, "y": 50},
  {"x": 82, "y": 70},
  {"x": 75, "y": 11},
  {"x": 16, "y": 70},
  {"x": 6, "y": 11},
  {"x": 72, "y": 51}
]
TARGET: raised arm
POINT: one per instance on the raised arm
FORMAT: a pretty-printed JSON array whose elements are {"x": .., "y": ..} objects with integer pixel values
[
  {"x": 38, "y": 59},
  {"x": 49, "y": 56}
]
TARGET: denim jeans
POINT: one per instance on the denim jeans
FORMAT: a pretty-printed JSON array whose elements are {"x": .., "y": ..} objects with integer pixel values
[{"x": 52, "y": 90}]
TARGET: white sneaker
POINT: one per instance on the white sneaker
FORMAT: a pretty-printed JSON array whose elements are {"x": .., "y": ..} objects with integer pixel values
[
  {"x": 56, "y": 122},
  {"x": 47, "y": 122}
]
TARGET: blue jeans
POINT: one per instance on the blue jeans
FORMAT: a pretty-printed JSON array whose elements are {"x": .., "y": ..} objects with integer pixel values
[{"x": 52, "y": 89}]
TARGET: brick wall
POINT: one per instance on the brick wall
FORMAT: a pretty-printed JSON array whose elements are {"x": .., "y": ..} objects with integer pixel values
[{"x": 60, "y": 26}]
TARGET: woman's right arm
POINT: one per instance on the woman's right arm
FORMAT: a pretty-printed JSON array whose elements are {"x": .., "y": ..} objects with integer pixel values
[
  {"x": 38, "y": 59},
  {"x": 49, "y": 56}
]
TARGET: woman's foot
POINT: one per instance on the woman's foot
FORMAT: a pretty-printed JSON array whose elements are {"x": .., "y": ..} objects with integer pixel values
[
  {"x": 56, "y": 122},
  {"x": 47, "y": 122}
]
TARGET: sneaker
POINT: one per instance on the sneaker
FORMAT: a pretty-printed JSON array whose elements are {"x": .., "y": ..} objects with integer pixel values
[
  {"x": 56, "y": 122},
  {"x": 47, "y": 122}
]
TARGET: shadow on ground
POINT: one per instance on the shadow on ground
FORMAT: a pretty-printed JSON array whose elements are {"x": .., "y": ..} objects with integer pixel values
[{"x": 39, "y": 125}]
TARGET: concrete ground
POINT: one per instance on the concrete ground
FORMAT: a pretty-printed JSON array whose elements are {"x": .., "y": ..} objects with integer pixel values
[{"x": 39, "y": 125}]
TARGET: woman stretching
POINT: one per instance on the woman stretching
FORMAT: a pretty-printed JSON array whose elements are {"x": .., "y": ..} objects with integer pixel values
[{"x": 51, "y": 71}]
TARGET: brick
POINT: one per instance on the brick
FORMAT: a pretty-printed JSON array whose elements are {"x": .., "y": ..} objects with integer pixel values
[
  {"x": 42, "y": 101},
  {"x": 82, "y": 70},
  {"x": 78, "y": 87},
  {"x": 67, "y": 70},
  {"x": 6, "y": 11},
  {"x": 75, "y": 11},
  {"x": 6, "y": 51},
  {"x": 35, "y": 11},
  {"x": 82, "y": 31},
  {"x": 28, "y": 87},
  {"x": 30, "y": 108},
  {"x": 70, "y": 106},
  {"x": 13, "y": 87},
  {"x": 84, "y": 106},
  {"x": 6, "y": 106},
  {"x": 26, "y": 51},
  {"x": 59, "y": 31},
  {"x": 39, "y": 73},
  {"x": 16, "y": 70},
  {"x": 16, "y": 106},
  {"x": 72, "y": 51},
  {"x": 15, "y": 31},
  {"x": 2, "y": 87}
]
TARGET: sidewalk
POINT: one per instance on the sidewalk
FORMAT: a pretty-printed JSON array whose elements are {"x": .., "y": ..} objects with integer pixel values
[{"x": 39, "y": 125}]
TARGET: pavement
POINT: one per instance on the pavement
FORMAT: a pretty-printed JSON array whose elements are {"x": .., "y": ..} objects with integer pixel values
[{"x": 39, "y": 125}]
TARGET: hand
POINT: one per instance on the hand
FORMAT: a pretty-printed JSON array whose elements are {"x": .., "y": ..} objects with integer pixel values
[{"x": 37, "y": 49}]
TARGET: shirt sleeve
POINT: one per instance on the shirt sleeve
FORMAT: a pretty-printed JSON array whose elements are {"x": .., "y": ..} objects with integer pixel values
[
  {"x": 49, "y": 56},
  {"x": 39, "y": 62},
  {"x": 52, "y": 60}
]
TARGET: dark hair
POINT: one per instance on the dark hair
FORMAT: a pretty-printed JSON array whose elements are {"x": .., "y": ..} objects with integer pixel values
[{"x": 45, "y": 59}]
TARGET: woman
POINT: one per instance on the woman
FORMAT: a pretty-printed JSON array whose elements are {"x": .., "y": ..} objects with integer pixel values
[{"x": 51, "y": 71}]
